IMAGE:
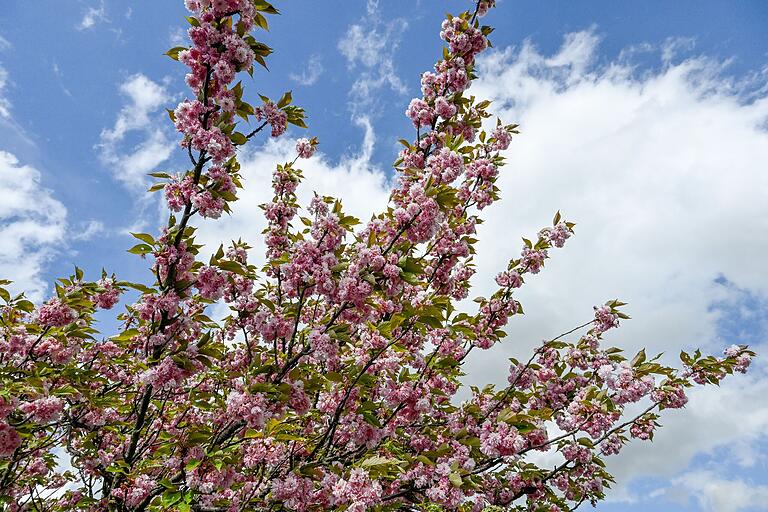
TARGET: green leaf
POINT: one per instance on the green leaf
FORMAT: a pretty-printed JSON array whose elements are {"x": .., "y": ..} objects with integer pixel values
[
  {"x": 334, "y": 376},
  {"x": 140, "y": 249},
  {"x": 446, "y": 198},
  {"x": 25, "y": 305},
  {"x": 174, "y": 52},
  {"x": 376, "y": 460},
  {"x": 411, "y": 265},
  {"x": 285, "y": 100},
  {"x": 126, "y": 335},
  {"x": 409, "y": 278},
  {"x": 638, "y": 359},
  {"x": 263, "y": 6},
  {"x": 261, "y": 21},
  {"x": 232, "y": 266},
  {"x": 144, "y": 237},
  {"x": 238, "y": 138}
]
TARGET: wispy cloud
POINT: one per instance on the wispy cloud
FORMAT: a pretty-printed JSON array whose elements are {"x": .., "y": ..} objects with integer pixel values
[
  {"x": 93, "y": 16},
  {"x": 87, "y": 230},
  {"x": 178, "y": 37},
  {"x": 311, "y": 71},
  {"x": 130, "y": 165},
  {"x": 5, "y": 103},
  {"x": 369, "y": 47},
  {"x": 59, "y": 74}
]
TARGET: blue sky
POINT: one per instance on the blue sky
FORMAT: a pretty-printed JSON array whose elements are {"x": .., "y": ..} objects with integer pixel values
[{"x": 644, "y": 121}]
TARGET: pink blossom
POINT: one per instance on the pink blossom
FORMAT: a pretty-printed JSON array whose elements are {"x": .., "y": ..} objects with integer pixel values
[
  {"x": 44, "y": 410},
  {"x": 462, "y": 39},
  {"x": 179, "y": 192},
  {"x": 276, "y": 118},
  {"x": 500, "y": 439},
  {"x": 299, "y": 400},
  {"x": 445, "y": 165},
  {"x": 483, "y": 6},
  {"x": 133, "y": 494},
  {"x": 642, "y": 429},
  {"x": 605, "y": 319},
  {"x": 293, "y": 491},
  {"x": 742, "y": 363},
  {"x": 533, "y": 259},
  {"x": 211, "y": 283},
  {"x": 502, "y": 138},
  {"x": 9, "y": 440},
  {"x": 358, "y": 490},
  {"x": 556, "y": 235},
  {"x": 510, "y": 279},
  {"x": 305, "y": 148},
  {"x": 208, "y": 205},
  {"x": 166, "y": 375},
  {"x": 577, "y": 453},
  {"x": 444, "y": 108},
  {"x": 611, "y": 446},
  {"x": 412, "y": 159},
  {"x": 251, "y": 407},
  {"x": 420, "y": 113},
  {"x": 672, "y": 397},
  {"x": 55, "y": 313},
  {"x": 109, "y": 297}
]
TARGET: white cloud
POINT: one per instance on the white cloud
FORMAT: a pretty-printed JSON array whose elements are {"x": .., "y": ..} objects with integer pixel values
[
  {"x": 714, "y": 493},
  {"x": 145, "y": 99},
  {"x": 370, "y": 46},
  {"x": 311, "y": 72},
  {"x": 92, "y": 16},
  {"x": 32, "y": 224},
  {"x": 662, "y": 171}
]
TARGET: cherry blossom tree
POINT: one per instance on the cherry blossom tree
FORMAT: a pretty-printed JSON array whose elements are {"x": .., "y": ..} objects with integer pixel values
[{"x": 332, "y": 383}]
